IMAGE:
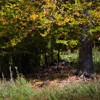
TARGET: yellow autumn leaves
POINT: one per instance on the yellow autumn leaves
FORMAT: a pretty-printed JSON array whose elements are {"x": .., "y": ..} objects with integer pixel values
[
  {"x": 33, "y": 16},
  {"x": 4, "y": 22}
]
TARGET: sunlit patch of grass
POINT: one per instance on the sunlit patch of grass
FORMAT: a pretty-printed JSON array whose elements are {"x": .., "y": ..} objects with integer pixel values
[
  {"x": 96, "y": 55},
  {"x": 72, "y": 57},
  {"x": 96, "y": 59}
]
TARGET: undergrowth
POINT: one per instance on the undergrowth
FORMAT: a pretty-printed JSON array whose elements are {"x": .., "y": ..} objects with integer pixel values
[{"x": 20, "y": 89}]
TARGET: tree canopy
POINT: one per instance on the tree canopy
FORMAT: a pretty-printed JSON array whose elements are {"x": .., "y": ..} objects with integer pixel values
[{"x": 37, "y": 28}]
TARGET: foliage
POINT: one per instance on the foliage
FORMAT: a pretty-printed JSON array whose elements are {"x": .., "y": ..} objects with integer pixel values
[{"x": 33, "y": 29}]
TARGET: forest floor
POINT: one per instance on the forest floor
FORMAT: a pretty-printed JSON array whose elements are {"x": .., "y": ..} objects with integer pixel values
[
  {"x": 59, "y": 82},
  {"x": 57, "y": 76}
]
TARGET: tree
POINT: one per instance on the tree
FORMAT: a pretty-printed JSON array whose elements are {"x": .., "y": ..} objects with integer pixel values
[
  {"x": 37, "y": 30},
  {"x": 86, "y": 45}
]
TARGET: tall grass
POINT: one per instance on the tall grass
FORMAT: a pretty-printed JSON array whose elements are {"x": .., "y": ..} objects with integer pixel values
[
  {"x": 83, "y": 91},
  {"x": 15, "y": 90},
  {"x": 23, "y": 90}
]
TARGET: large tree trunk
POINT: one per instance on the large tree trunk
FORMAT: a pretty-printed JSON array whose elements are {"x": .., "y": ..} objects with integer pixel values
[{"x": 85, "y": 56}]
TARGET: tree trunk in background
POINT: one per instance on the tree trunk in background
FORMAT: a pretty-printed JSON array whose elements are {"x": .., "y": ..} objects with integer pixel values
[
  {"x": 51, "y": 55},
  {"x": 46, "y": 62},
  {"x": 58, "y": 56},
  {"x": 85, "y": 56}
]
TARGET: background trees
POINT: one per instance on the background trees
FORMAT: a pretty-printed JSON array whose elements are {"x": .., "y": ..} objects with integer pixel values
[{"x": 33, "y": 33}]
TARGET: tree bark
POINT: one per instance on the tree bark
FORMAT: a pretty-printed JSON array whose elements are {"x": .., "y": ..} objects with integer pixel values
[
  {"x": 85, "y": 56},
  {"x": 45, "y": 58},
  {"x": 58, "y": 57}
]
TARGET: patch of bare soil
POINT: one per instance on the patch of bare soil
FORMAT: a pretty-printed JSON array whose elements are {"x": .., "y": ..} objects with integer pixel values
[
  {"x": 57, "y": 76},
  {"x": 60, "y": 82}
]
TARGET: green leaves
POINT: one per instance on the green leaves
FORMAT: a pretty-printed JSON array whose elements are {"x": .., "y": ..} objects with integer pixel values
[
  {"x": 47, "y": 18},
  {"x": 73, "y": 43},
  {"x": 64, "y": 42}
]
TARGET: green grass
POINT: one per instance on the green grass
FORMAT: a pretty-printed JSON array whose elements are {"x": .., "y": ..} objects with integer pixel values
[
  {"x": 81, "y": 91},
  {"x": 23, "y": 90},
  {"x": 73, "y": 57},
  {"x": 15, "y": 90},
  {"x": 96, "y": 60},
  {"x": 96, "y": 55}
]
